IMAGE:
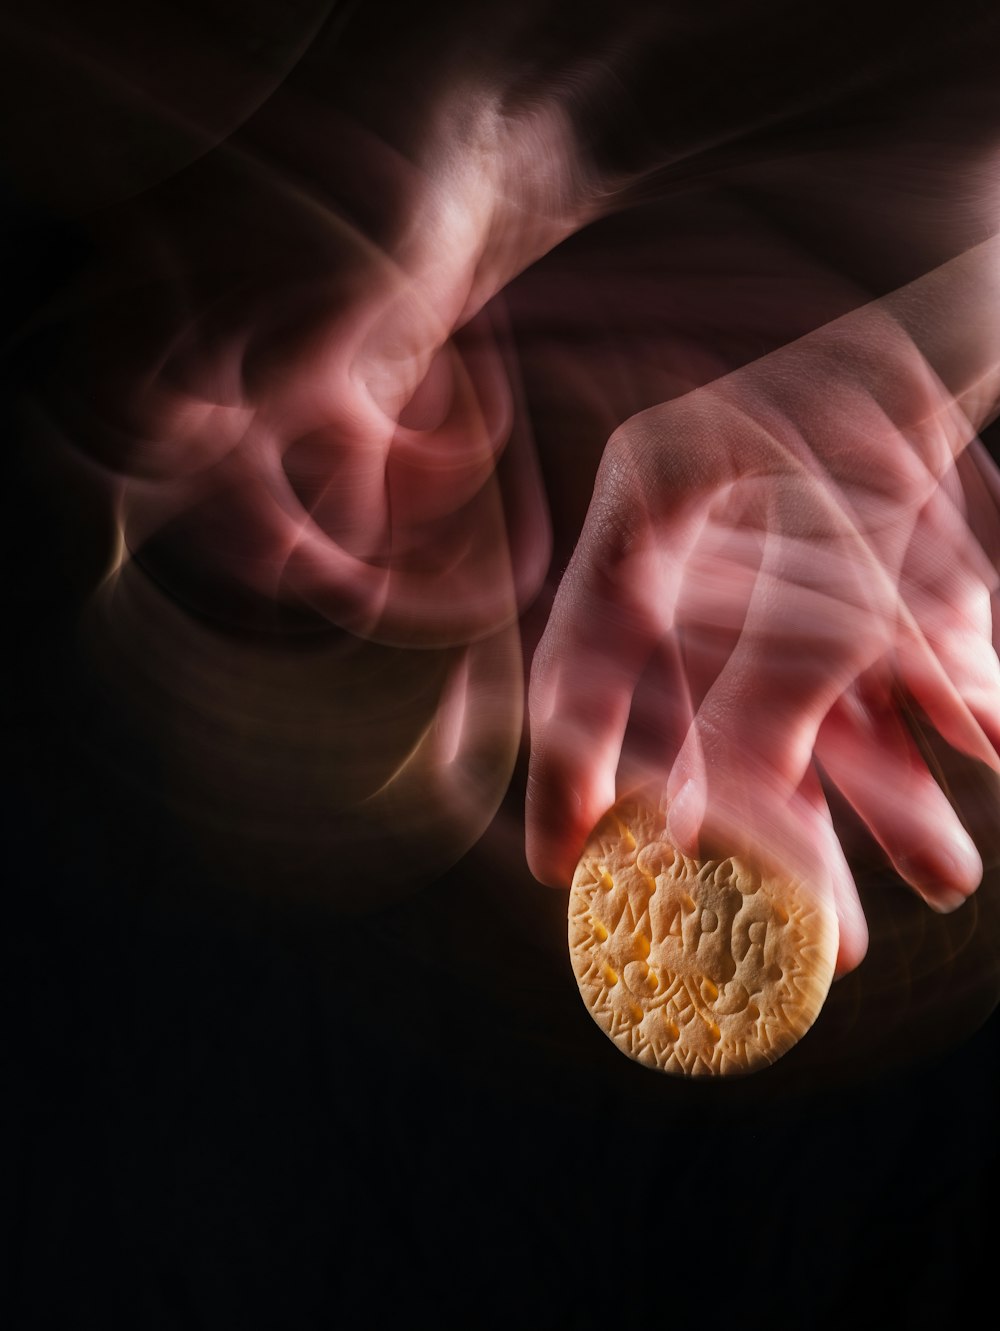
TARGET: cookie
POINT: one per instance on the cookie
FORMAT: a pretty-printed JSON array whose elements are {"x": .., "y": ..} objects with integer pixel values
[{"x": 698, "y": 968}]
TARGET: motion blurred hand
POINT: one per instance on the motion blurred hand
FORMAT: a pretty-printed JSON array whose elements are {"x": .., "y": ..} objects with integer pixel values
[
  {"x": 310, "y": 411},
  {"x": 772, "y": 569}
]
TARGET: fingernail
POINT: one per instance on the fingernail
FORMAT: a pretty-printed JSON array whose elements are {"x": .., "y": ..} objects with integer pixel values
[
  {"x": 945, "y": 900},
  {"x": 962, "y": 855}
]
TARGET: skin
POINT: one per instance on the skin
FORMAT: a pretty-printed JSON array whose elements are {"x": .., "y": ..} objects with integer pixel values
[
  {"x": 765, "y": 554},
  {"x": 288, "y": 363}
]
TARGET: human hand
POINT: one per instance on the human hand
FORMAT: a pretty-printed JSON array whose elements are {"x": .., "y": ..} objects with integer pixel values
[
  {"x": 295, "y": 412},
  {"x": 770, "y": 568}
]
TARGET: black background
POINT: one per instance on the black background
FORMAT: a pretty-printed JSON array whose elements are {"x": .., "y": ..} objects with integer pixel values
[{"x": 226, "y": 1110}]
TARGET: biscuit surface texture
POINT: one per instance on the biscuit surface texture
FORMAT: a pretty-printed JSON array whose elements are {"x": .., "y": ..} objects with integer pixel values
[{"x": 694, "y": 967}]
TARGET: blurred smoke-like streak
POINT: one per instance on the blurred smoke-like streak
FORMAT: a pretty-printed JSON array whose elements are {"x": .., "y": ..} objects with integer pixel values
[{"x": 362, "y": 295}]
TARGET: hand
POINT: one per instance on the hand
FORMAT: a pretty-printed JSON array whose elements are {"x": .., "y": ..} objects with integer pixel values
[
  {"x": 770, "y": 566},
  {"x": 296, "y": 414}
]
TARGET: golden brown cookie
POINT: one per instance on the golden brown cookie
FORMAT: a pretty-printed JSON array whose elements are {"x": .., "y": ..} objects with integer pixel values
[{"x": 696, "y": 968}]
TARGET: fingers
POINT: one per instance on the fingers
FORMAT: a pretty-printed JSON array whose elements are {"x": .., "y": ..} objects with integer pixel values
[
  {"x": 662, "y": 710},
  {"x": 866, "y": 750},
  {"x": 830, "y": 856},
  {"x": 744, "y": 780},
  {"x": 745, "y": 809},
  {"x": 810, "y": 627},
  {"x": 945, "y": 656},
  {"x": 759, "y": 723},
  {"x": 981, "y": 487},
  {"x": 755, "y": 611},
  {"x": 582, "y": 681},
  {"x": 615, "y": 604},
  {"x": 955, "y": 678}
]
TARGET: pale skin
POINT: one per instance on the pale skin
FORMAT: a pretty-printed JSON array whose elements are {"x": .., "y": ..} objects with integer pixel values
[
  {"x": 788, "y": 547},
  {"x": 769, "y": 565}
]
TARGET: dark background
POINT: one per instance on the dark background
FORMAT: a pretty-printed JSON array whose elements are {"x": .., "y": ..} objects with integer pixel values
[{"x": 229, "y": 1109}]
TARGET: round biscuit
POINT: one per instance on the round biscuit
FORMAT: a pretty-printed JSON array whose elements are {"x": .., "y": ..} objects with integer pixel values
[{"x": 694, "y": 967}]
